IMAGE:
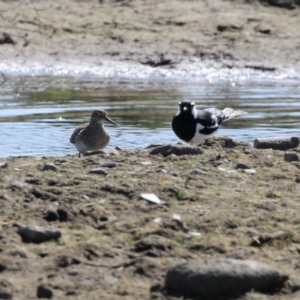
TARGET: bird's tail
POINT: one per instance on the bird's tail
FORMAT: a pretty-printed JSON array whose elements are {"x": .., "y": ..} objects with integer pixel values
[
  {"x": 229, "y": 113},
  {"x": 226, "y": 114}
]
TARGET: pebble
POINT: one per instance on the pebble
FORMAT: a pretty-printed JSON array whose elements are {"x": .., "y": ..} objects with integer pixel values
[
  {"x": 276, "y": 143},
  {"x": 37, "y": 234},
  {"x": 98, "y": 171},
  {"x": 291, "y": 156},
  {"x": 151, "y": 198},
  {"x": 49, "y": 167},
  {"x": 146, "y": 163},
  {"x": 157, "y": 220},
  {"x": 242, "y": 166},
  {"x": 195, "y": 233},
  {"x": 225, "y": 170},
  {"x": 44, "y": 291},
  {"x": 250, "y": 171},
  {"x": 232, "y": 277},
  {"x": 109, "y": 165}
]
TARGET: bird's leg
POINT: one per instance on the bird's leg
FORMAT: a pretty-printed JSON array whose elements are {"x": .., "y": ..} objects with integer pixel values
[{"x": 78, "y": 154}]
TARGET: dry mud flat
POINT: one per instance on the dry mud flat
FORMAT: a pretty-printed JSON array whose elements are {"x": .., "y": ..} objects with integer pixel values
[
  {"x": 107, "y": 242},
  {"x": 149, "y": 35}
]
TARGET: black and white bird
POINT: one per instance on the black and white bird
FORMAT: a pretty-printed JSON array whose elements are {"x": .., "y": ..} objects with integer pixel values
[{"x": 194, "y": 126}]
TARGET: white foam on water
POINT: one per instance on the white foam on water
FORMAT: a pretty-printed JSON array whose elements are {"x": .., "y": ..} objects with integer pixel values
[{"x": 185, "y": 70}]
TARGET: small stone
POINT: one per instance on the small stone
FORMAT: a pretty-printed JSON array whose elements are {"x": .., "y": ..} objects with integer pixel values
[
  {"x": 49, "y": 167},
  {"x": 195, "y": 279},
  {"x": 44, "y": 291},
  {"x": 157, "y": 220},
  {"x": 37, "y": 234},
  {"x": 151, "y": 198},
  {"x": 198, "y": 172},
  {"x": 225, "y": 170},
  {"x": 194, "y": 233},
  {"x": 242, "y": 166},
  {"x": 98, "y": 171},
  {"x": 109, "y": 165},
  {"x": 291, "y": 156},
  {"x": 3, "y": 165},
  {"x": 250, "y": 171},
  {"x": 146, "y": 163}
]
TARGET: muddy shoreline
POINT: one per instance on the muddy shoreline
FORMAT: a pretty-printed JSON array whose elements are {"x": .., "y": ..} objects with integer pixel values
[
  {"x": 237, "y": 202},
  {"x": 158, "y": 39}
]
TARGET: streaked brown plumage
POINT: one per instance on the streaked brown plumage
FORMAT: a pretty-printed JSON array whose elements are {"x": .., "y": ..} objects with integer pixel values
[{"x": 92, "y": 136}]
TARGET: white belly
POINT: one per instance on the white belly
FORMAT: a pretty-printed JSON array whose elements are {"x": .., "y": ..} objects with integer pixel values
[
  {"x": 199, "y": 137},
  {"x": 81, "y": 147}
]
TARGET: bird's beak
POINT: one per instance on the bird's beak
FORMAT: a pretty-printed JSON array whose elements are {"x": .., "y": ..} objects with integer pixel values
[
  {"x": 185, "y": 108},
  {"x": 110, "y": 121}
]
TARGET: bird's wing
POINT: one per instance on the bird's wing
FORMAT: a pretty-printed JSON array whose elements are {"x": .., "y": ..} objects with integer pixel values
[
  {"x": 77, "y": 132},
  {"x": 212, "y": 117}
]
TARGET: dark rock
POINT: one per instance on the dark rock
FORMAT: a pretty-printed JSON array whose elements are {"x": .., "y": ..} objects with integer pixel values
[
  {"x": 44, "y": 291},
  {"x": 199, "y": 279},
  {"x": 109, "y": 165},
  {"x": 51, "y": 216},
  {"x": 276, "y": 143},
  {"x": 36, "y": 234},
  {"x": 49, "y": 167},
  {"x": 6, "y": 39},
  {"x": 291, "y": 156},
  {"x": 3, "y": 165},
  {"x": 98, "y": 171},
  {"x": 242, "y": 166},
  {"x": 229, "y": 27},
  {"x": 287, "y": 4},
  {"x": 167, "y": 150},
  {"x": 35, "y": 181},
  {"x": 229, "y": 143},
  {"x": 6, "y": 289}
]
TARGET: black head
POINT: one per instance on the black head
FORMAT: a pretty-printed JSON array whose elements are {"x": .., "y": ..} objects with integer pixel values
[
  {"x": 186, "y": 107},
  {"x": 101, "y": 116}
]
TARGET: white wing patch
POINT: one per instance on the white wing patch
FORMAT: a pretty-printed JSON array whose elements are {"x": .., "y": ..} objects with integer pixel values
[
  {"x": 216, "y": 122},
  {"x": 194, "y": 112}
]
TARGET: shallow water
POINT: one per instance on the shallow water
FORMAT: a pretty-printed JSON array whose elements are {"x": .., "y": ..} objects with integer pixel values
[{"x": 38, "y": 114}]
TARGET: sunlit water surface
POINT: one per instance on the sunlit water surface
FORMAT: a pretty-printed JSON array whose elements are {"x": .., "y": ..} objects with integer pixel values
[{"x": 38, "y": 114}]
